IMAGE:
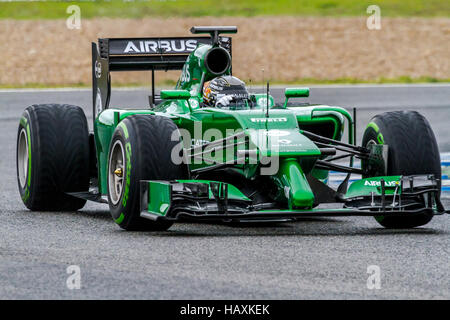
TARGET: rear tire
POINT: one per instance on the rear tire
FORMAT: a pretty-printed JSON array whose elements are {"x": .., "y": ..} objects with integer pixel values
[
  {"x": 52, "y": 157},
  {"x": 141, "y": 149},
  {"x": 412, "y": 150}
]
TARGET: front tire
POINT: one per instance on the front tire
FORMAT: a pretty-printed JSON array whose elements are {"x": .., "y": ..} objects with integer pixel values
[
  {"x": 140, "y": 149},
  {"x": 412, "y": 150}
]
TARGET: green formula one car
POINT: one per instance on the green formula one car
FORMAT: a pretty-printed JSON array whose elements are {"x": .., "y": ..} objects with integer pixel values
[{"x": 209, "y": 150}]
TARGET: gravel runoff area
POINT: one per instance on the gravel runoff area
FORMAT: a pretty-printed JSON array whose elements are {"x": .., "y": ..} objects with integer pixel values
[{"x": 287, "y": 48}]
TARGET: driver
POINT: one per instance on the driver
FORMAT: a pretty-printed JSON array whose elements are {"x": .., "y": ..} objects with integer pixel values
[{"x": 224, "y": 90}]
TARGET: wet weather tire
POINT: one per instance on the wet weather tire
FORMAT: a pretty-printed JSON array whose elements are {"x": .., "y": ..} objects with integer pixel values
[
  {"x": 52, "y": 157},
  {"x": 140, "y": 149},
  {"x": 412, "y": 150}
]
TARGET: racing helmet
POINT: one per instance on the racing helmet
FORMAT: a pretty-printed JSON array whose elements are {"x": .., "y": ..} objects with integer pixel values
[{"x": 223, "y": 86}]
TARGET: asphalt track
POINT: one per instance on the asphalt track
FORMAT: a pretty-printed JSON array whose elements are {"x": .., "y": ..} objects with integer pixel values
[{"x": 314, "y": 258}]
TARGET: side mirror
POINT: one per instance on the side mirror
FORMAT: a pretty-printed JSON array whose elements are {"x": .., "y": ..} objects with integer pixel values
[
  {"x": 175, "y": 94},
  {"x": 295, "y": 93}
]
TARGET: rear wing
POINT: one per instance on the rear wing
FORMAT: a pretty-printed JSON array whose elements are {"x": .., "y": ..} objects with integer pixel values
[{"x": 136, "y": 54}]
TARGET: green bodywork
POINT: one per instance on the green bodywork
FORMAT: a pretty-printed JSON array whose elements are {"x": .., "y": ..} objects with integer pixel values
[
  {"x": 367, "y": 186},
  {"x": 159, "y": 193},
  {"x": 159, "y": 197},
  {"x": 277, "y": 133}
]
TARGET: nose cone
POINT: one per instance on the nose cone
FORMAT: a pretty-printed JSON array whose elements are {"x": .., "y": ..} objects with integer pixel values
[{"x": 296, "y": 188}]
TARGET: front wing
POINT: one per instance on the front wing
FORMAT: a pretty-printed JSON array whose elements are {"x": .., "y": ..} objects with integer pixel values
[{"x": 213, "y": 200}]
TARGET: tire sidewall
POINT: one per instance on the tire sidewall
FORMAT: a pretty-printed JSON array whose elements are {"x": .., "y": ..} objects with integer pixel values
[
  {"x": 26, "y": 192},
  {"x": 377, "y": 132},
  {"x": 122, "y": 211}
]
